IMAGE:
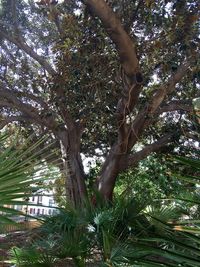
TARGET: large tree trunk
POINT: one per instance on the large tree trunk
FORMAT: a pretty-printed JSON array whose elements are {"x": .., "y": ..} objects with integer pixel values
[
  {"x": 73, "y": 171},
  {"x": 117, "y": 162},
  {"x": 110, "y": 170},
  {"x": 107, "y": 178}
]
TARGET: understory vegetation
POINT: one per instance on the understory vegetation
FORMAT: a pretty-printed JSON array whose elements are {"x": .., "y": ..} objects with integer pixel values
[{"x": 130, "y": 231}]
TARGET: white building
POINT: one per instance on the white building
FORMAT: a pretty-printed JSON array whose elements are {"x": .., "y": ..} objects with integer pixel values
[
  {"x": 38, "y": 205},
  {"x": 41, "y": 205}
]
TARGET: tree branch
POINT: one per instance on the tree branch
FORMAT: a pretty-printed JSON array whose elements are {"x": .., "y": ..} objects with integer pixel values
[
  {"x": 194, "y": 136},
  {"x": 126, "y": 48},
  {"x": 26, "y": 109},
  {"x": 58, "y": 91},
  {"x": 124, "y": 44},
  {"x": 133, "y": 17},
  {"x": 176, "y": 105},
  {"x": 28, "y": 50},
  {"x": 36, "y": 99},
  {"x": 14, "y": 16},
  {"x": 145, "y": 116},
  {"x": 169, "y": 87},
  {"x": 133, "y": 160},
  {"x": 5, "y": 120},
  {"x": 39, "y": 100}
]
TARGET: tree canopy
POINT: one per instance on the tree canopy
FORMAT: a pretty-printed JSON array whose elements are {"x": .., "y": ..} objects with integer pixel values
[{"x": 112, "y": 78}]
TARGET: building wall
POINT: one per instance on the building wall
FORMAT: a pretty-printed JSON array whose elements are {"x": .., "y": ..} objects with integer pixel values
[
  {"x": 39, "y": 205},
  {"x": 44, "y": 205}
]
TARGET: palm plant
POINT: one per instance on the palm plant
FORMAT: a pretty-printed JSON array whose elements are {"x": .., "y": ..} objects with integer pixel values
[
  {"x": 126, "y": 233},
  {"x": 18, "y": 178}
]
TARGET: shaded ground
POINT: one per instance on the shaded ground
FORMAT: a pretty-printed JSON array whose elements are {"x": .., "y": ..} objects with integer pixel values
[
  {"x": 10, "y": 240},
  {"x": 19, "y": 239}
]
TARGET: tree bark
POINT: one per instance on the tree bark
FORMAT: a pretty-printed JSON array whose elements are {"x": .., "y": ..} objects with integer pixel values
[
  {"x": 73, "y": 170},
  {"x": 117, "y": 162},
  {"x": 109, "y": 172}
]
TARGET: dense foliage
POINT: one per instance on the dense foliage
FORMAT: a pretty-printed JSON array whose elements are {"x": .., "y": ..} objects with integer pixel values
[{"x": 110, "y": 78}]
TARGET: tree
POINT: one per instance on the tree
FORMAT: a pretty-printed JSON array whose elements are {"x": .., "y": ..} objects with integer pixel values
[{"x": 112, "y": 75}]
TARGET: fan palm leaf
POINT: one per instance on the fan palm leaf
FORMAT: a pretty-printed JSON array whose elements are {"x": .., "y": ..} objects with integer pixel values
[{"x": 18, "y": 179}]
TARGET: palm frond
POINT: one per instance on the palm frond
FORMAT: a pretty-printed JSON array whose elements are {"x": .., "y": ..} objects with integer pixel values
[{"x": 17, "y": 180}]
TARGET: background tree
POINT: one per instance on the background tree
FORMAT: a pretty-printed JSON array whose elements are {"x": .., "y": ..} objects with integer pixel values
[{"x": 117, "y": 76}]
